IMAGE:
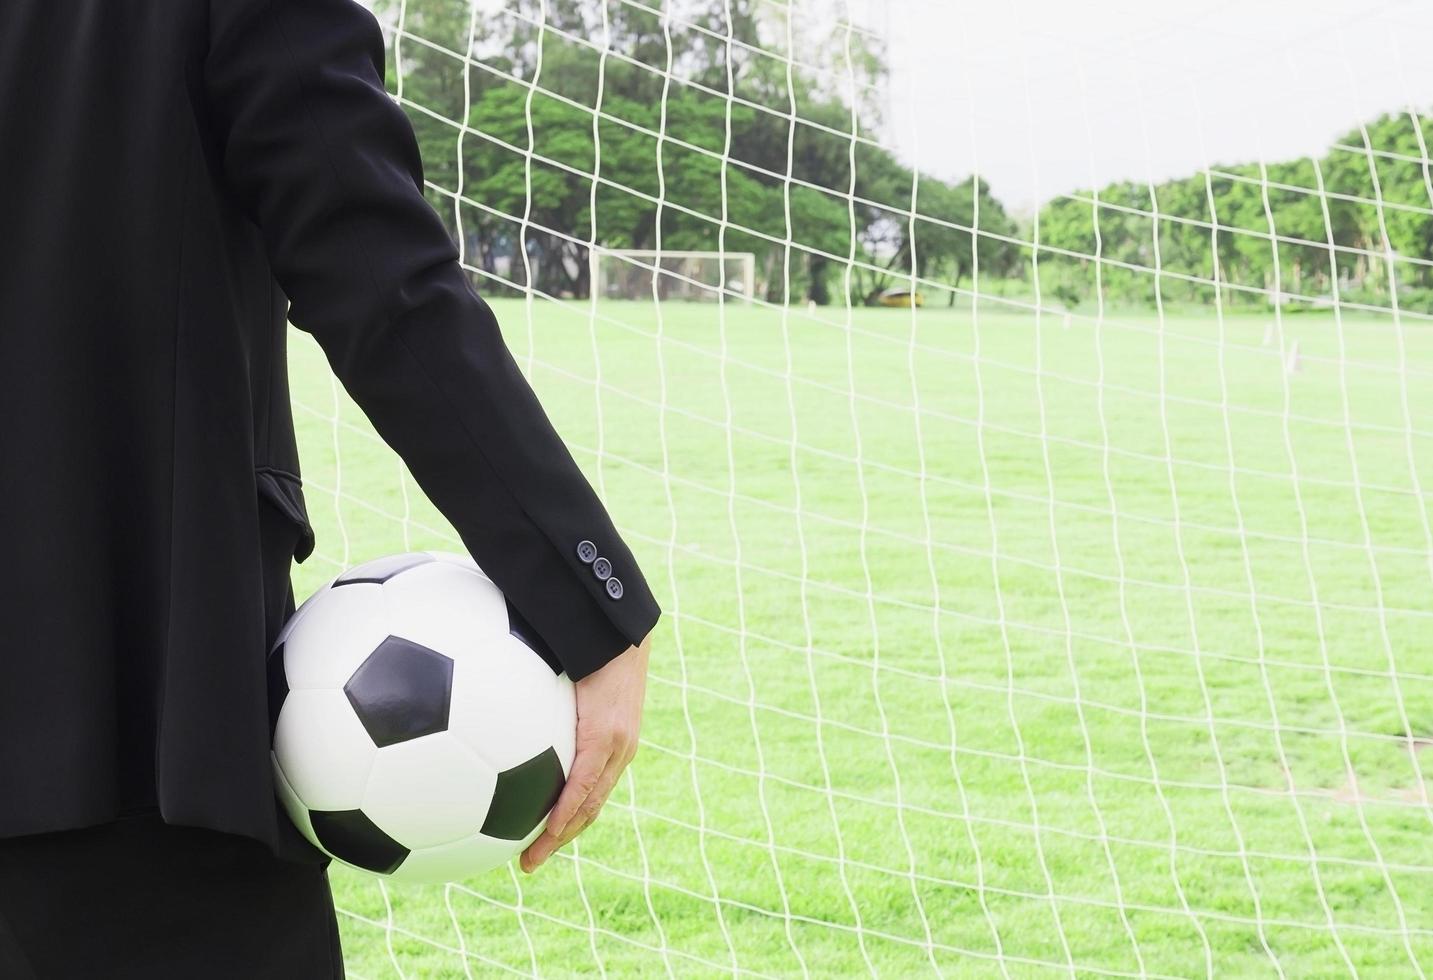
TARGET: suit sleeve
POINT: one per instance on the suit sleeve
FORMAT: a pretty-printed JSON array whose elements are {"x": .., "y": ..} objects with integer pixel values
[{"x": 326, "y": 164}]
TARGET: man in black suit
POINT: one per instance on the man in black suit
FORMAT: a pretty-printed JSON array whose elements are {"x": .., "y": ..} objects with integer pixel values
[{"x": 177, "y": 178}]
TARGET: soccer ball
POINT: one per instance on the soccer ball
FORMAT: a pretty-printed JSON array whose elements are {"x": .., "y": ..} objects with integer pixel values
[{"x": 421, "y": 729}]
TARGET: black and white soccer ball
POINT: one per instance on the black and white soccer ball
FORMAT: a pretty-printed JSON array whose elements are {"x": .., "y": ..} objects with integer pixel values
[{"x": 421, "y": 729}]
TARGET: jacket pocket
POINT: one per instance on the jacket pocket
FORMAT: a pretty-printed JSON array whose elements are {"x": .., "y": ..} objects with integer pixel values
[{"x": 284, "y": 491}]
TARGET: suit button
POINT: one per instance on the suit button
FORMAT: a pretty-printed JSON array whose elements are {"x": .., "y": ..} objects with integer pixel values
[
  {"x": 614, "y": 588},
  {"x": 586, "y": 551},
  {"x": 602, "y": 568}
]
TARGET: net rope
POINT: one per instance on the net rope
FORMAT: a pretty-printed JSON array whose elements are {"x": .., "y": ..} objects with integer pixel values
[{"x": 1031, "y": 630}]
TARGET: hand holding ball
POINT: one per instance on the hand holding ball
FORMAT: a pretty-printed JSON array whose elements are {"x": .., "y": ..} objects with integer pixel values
[{"x": 421, "y": 729}]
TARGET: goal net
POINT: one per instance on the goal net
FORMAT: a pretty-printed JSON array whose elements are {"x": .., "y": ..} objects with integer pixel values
[{"x": 1038, "y": 497}]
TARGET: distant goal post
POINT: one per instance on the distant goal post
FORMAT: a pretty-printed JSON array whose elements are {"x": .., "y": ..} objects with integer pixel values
[{"x": 628, "y": 273}]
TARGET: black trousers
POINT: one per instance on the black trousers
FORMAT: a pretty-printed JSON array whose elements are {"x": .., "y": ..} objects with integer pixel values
[{"x": 139, "y": 898}]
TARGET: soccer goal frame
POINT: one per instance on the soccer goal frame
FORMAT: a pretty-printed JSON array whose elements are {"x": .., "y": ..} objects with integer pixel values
[{"x": 678, "y": 274}]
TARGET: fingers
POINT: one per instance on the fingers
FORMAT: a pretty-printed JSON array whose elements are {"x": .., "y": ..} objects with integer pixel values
[
  {"x": 587, "y": 769},
  {"x": 577, "y": 810},
  {"x": 609, "y": 715},
  {"x": 618, "y": 750},
  {"x": 554, "y": 838},
  {"x": 588, "y": 809}
]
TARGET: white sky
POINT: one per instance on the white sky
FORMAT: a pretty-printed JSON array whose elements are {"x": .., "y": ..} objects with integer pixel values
[{"x": 1049, "y": 96}]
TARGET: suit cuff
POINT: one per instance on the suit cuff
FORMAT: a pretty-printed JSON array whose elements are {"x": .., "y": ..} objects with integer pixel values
[{"x": 606, "y": 613}]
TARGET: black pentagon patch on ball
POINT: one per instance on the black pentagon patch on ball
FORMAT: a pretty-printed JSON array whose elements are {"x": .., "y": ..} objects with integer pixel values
[
  {"x": 380, "y": 570},
  {"x": 402, "y": 691},
  {"x": 278, "y": 687},
  {"x": 350, "y": 836},
  {"x": 523, "y": 630},
  {"x": 523, "y": 796}
]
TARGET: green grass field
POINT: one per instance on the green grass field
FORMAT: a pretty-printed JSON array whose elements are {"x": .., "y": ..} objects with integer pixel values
[{"x": 1071, "y": 670}]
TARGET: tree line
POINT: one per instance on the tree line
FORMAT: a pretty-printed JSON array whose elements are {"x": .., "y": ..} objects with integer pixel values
[
  {"x": 751, "y": 145},
  {"x": 1355, "y": 223}
]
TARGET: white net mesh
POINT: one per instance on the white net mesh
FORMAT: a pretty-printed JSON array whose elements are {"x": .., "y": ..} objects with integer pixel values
[{"x": 1045, "y": 591}]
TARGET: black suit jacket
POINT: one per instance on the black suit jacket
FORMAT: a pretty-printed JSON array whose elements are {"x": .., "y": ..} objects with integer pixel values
[{"x": 175, "y": 177}]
